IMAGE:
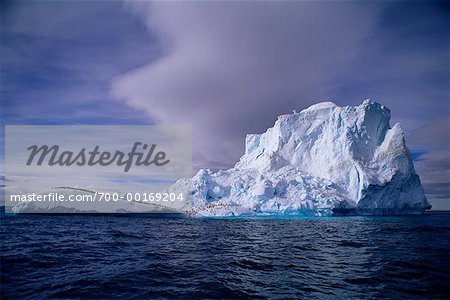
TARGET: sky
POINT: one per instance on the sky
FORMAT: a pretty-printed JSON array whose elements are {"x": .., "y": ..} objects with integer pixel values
[{"x": 230, "y": 68}]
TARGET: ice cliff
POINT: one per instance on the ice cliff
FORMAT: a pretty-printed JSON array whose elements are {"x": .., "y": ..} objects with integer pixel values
[{"x": 323, "y": 160}]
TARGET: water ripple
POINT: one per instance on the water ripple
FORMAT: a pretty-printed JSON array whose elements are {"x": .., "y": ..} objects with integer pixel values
[{"x": 108, "y": 257}]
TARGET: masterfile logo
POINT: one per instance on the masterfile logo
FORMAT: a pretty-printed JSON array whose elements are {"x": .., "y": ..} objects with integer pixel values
[
  {"x": 95, "y": 157},
  {"x": 101, "y": 169}
]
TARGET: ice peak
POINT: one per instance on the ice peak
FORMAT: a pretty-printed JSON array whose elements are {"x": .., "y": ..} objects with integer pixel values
[
  {"x": 369, "y": 101},
  {"x": 369, "y": 105},
  {"x": 321, "y": 105}
]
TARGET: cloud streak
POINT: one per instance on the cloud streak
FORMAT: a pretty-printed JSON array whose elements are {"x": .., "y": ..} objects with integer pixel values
[
  {"x": 58, "y": 59},
  {"x": 231, "y": 68}
]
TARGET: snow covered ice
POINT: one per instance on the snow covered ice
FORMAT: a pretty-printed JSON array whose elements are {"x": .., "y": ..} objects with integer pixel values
[{"x": 323, "y": 160}]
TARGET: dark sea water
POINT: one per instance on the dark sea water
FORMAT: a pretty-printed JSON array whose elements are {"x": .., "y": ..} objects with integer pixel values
[{"x": 139, "y": 257}]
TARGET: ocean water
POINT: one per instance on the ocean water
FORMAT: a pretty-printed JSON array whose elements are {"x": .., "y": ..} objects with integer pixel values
[{"x": 142, "y": 257}]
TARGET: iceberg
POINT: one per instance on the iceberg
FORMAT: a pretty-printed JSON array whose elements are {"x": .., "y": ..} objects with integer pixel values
[{"x": 324, "y": 160}]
